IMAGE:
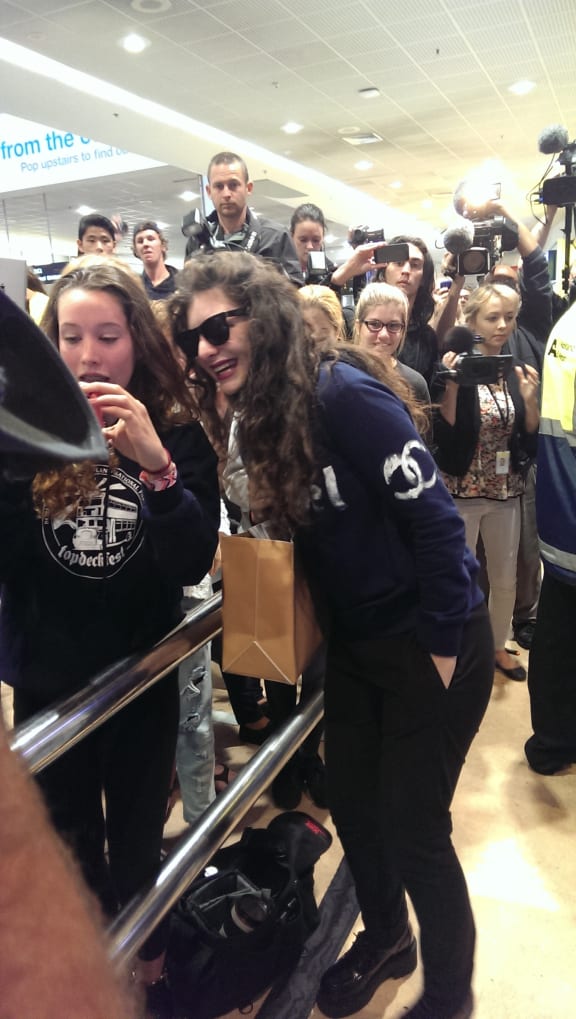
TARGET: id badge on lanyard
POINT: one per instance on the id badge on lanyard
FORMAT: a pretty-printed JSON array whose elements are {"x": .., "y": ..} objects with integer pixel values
[{"x": 503, "y": 462}]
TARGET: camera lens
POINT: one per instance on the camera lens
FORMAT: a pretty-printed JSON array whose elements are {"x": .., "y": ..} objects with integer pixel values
[{"x": 246, "y": 913}]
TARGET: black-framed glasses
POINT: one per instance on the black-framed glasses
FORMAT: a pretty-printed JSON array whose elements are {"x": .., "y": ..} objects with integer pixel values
[
  {"x": 216, "y": 330},
  {"x": 374, "y": 325}
]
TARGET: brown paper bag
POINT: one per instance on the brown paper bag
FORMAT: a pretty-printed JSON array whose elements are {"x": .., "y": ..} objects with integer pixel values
[{"x": 269, "y": 628}]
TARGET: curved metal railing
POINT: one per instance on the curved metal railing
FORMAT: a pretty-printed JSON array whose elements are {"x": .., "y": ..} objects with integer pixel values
[
  {"x": 46, "y": 736},
  {"x": 50, "y": 733}
]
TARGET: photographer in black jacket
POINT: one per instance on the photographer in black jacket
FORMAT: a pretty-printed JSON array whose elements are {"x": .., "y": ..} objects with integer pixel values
[{"x": 233, "y": 225}]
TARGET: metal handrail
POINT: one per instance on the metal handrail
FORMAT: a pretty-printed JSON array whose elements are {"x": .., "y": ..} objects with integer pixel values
[
  {"x": 48, "y": 734},
  {"x": 130, "y": 929}
]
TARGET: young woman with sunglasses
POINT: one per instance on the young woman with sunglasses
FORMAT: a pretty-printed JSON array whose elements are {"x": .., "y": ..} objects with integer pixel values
[
  {"x": 93, "y": 562},
  {"x": 333, "y": 456}
]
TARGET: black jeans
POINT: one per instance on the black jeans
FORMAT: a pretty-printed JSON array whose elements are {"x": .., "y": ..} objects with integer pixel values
[
  {"x": 396, "y": 741},
  {"x": 130, "y": 760}
]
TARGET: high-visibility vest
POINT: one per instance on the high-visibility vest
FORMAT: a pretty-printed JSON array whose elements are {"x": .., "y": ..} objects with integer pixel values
[{"x": 556, "y": 479}]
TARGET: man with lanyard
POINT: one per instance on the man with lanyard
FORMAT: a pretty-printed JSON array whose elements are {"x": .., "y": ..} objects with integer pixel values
[{"x": 233, "y": 225}]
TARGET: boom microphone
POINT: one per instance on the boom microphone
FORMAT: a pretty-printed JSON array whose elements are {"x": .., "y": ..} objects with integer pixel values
[
  {"x": 458, "y": 239},
  {"x": 553, "y": 138}
]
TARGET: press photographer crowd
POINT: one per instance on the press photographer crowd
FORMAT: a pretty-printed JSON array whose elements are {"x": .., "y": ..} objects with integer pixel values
[{"x": 406, "y": 418}]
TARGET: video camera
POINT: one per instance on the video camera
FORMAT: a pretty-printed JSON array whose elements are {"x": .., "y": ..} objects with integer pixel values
[
  {"x": 387, "y": 253},
  {"x": 473, "y": 368},
  {"x": 362, "y": 235},
  {"x": 559, "y": 190},
  {"x": 478, "y": 245}
]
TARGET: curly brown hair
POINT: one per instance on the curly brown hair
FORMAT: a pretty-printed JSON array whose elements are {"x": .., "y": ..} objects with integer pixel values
[
  {"x": 158, "y": 381},
  {"x": 277, "y": 406}
]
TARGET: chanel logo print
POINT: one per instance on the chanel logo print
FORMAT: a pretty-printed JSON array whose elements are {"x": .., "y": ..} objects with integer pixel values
[{"x": 418, "y": 472}]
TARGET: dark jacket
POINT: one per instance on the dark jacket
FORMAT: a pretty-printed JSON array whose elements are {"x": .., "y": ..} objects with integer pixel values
[
  {"x": 386, "y": 553},
  {"x": 263, "y": 237},
  {"x": 79, "y": 594},
  {"x": 528, "y": 341},
  {"x": 454, "y": 445},
  {"x": 420, "y": 349}
]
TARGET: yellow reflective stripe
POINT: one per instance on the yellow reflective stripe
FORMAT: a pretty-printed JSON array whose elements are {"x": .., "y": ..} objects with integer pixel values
[{"x": 558, "y": 397}]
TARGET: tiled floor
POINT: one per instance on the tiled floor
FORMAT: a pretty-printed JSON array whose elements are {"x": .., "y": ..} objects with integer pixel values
[{"x": 516, "y": 835}]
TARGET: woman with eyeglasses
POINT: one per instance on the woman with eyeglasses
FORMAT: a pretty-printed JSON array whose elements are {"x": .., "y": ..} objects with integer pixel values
[
  {"x": 93, "y": 562},
  {"x": 333, "y": 456},
  {"x": 380, "y": 327}
]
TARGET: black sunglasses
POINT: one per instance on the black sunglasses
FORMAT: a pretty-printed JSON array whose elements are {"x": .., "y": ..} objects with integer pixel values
[{"x": 215, "y": 329}]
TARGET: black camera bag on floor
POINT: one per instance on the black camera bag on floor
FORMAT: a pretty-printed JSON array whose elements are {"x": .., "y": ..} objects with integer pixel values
[{"x": 243, "y": 923}]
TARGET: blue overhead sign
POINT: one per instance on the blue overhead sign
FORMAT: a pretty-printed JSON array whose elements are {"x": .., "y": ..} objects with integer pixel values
[{"x": 33, "y": 155}]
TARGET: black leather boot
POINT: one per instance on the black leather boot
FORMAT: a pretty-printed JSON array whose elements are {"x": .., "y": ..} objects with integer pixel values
[{"x": 351, "y": 982}]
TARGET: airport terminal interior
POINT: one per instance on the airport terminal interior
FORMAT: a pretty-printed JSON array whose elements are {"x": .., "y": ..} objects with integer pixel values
[{"x": 375, "y": 113}]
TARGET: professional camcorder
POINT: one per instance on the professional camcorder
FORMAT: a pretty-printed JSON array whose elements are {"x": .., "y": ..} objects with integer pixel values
[
  {"x": 478, "y": 244},
  {"x": 559, "y": 190},
  {"x": 473, "y": 368}
]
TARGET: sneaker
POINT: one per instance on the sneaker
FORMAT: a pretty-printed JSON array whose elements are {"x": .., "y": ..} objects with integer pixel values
[
  {"x": 425, "y": 1009},
  {"x": 352, "y": 981},
  {"x": 314, "y": 780},
  {"x": 287, "y": 787}
]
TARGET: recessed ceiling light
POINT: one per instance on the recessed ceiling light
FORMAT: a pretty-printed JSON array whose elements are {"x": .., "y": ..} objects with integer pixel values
[
  {"x": 188, "y": 196},
  {"x": 291, "y": 127},
  {"x": 134, "y": 43},
  {"x": 85, "y": 210},
  {"x": 522, "y": 88},
  {"x": 369, "y": 93},
  {"x": 161, "y": 225},
  {"x": 151, "y": 6},
  {"x": 396, "y": 184},
  {"x": 363, "y": 164},
  {"x": 362, "y": 139}
]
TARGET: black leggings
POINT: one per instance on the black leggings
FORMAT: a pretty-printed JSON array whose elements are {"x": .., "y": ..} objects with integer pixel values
[{"x": 128, "y": 759}]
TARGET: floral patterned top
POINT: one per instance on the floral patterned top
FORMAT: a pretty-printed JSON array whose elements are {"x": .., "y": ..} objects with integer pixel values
[{"x": 496, "y": 423}]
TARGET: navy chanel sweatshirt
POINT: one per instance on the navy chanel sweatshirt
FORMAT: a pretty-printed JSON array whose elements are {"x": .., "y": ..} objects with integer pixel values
[{"x": 386, "y": 549}]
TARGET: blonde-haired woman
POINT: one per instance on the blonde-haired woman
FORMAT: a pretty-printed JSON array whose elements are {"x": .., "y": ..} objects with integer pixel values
[
  {"x": 486, "y": 436},
  {"x": 380, "y": 327},
  {"x": 322, "y": 314}
]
